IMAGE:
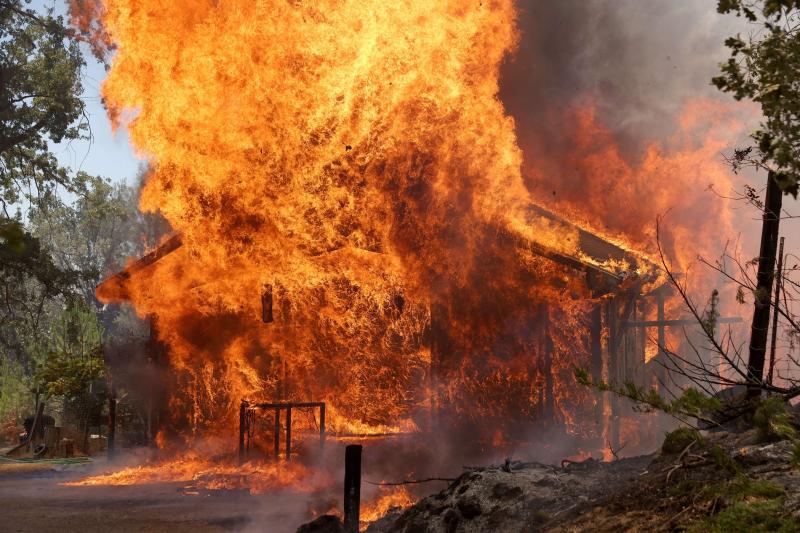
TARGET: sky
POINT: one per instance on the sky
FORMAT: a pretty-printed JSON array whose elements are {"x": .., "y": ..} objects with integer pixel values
[{"x": 107, "y": 153}]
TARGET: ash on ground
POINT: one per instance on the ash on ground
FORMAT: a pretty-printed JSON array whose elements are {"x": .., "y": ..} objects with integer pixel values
[{"x": 698, "y": 481}]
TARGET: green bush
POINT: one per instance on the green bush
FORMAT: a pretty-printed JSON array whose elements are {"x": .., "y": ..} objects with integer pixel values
[
  {"x": 677, "y": 441},
  {"x": 773, "y": 420}
]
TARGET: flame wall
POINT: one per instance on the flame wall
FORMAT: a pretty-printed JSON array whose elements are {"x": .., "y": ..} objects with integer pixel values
[
  {"x": 355, "y": 157},
  {"x": 352, "y": 155}
]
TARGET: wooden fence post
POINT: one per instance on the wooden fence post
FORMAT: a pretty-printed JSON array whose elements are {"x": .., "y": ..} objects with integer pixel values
[{"x": 352, "y": 488}]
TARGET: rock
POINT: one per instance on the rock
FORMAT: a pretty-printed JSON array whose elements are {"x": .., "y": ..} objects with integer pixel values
[{"x": 326, "y": 523}]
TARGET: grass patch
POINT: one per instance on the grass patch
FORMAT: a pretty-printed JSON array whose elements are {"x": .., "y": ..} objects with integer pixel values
[
  {"x": 748, "y": 506},
  {"x": 748, "y": 517}
]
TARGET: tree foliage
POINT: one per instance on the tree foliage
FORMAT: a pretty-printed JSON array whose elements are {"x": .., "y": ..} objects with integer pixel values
[
  {"x": 74, "y": 354},
  {"x": 40, "y": 101},
  {"x": 765, "y": 67},
  {"x": 61, "y": 231}
]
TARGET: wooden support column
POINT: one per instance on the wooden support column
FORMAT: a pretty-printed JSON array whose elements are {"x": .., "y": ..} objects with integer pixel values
[
  {"x": 322, "y": 426},
  {"x": 615, "y": 370},
  {"x": 288, "y": 434},
  {"x": 242, "y": 430},
  {"x": 596, "y": 364},
  {"x": 635, "y": 353},
  {"x": 441, "y": 348},
  {"x": 157, "y": 402},
  {"x": 604, "y": 411},
  {"x": 277, "y": 448}
]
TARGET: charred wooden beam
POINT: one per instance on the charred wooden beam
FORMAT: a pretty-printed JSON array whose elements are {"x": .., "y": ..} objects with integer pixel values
[
  {"x": 115, "y": 287},
  {"x": 677, "y": 322},
  {"x": 285, "y": 405}
]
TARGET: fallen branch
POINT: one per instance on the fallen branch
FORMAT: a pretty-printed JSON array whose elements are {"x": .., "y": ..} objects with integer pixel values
[{"x": 615, "y": 453}]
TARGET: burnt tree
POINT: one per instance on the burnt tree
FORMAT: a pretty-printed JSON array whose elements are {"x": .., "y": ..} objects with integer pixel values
[{"x": 764, "y": 279}]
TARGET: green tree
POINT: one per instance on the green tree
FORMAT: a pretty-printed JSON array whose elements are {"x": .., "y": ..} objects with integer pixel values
[
  {"x": 41, "y": 67},
  {"x": 765, "y": 67},
  {"x": 40, "y": 87},
  {"x": 40, "y": 101},
  {"x": 94, "y": 234},
  {"x": 73, "y": 355}
]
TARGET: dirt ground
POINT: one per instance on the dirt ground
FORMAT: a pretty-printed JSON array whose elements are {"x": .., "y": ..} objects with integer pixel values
[{"x": 34, "y": 499}]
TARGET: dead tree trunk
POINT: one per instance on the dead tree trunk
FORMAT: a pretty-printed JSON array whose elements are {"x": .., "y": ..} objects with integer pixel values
[{"x": 764, "y": 279}]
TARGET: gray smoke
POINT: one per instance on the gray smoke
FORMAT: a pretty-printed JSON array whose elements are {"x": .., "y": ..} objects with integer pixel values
[{"x": 639, "y": 61}]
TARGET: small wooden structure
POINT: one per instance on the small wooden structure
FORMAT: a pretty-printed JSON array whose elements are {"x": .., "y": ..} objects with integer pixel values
[{"x": 247, "y": 424}]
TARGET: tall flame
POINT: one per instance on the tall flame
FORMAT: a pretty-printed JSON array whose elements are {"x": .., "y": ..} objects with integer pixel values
[
  {"x": 354, "y": 159},
  {"x": 352, "y": 155}
]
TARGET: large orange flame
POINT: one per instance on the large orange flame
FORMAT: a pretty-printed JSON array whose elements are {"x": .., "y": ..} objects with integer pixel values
[
  {"x": 352, "y": 155},
  {"x": 354, "y": 158}
]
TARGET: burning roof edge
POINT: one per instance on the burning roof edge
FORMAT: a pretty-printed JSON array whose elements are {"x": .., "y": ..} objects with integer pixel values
[
  {"x": 596, "y": 254},
  {"x": 114, "y": 287}
]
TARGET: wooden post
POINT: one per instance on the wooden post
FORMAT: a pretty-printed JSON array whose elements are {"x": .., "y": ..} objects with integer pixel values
[
  {"x": 277, "y": 449},
  {"x": 112, "y": 423},
  {"x": 288, "y": 434},
  {"x": 37, "y": 423},
  {"x": 352, "y": 488},
  {"x": 266, "y": 304},
  {"x": 766, "y": 270},
  {"x": 242, "y": 430},
  {"x": 322, "y": 426},
  {"x": 775, "y": 314},
  {"x": 615, "y": 370},
  {"x": 596, "y": 334}
]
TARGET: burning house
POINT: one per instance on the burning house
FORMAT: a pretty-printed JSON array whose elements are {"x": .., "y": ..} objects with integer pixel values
[
  {"x": 501, "y": 370},
  {"x": 352, "y": 226}
]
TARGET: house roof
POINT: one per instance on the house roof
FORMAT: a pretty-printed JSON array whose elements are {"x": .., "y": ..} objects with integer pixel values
[{"x": 608, "y": 266}]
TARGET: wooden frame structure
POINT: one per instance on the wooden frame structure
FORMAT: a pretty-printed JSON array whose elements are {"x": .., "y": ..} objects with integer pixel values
[{"x": 247, "y": 413}]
